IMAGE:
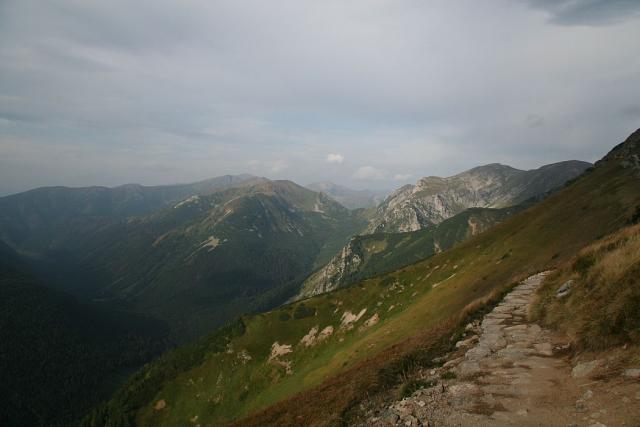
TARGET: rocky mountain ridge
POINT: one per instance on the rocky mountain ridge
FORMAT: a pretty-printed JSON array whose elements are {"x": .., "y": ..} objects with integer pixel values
[
  {"x": 433, "y": 204},
  {"x": 433, "y": 199},
  {"x": 370, "y": 254}
]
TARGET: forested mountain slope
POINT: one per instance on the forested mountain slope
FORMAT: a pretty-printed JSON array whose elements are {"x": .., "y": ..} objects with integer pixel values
[{"x": 58, "y": 357}]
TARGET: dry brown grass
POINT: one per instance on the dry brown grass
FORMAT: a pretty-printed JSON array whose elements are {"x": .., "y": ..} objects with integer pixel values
[{"x": 603, "y": 308}]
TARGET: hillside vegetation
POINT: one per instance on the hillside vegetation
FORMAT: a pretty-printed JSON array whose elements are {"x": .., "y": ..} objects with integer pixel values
[
  {"x": 314, "y": 360},
  {"x": 601, "y": 308},
  {"x": 59, "y": 357},
  {"x": 237, "y": 245}
]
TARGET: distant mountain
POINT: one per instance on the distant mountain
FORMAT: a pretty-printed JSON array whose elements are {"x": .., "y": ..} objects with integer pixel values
[
  {"x": 434, "y": 199},
  {"x": 41, "y": 219},
  {"x": 347, "y": 197},
  {"x": 60, "y": 357},
  {"x": 196, "y": 263}
]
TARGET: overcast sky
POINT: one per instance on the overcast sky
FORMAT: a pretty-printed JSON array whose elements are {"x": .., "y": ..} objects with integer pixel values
[{"x": 367, "y": 93}]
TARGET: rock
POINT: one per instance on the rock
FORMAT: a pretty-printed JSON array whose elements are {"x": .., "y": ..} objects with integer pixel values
[
  {"x": 411, "y": 421},
  {"x": 565, "y": 289},
  {"x": 468, "y": 368},
  {"x": 495, "y": 341},
  {"x": 587, "y": 395},
  {"x": 544, "y": 349},
  {"x": 478, "y": 352},
  {"x": 585, "y": 369},
  {"x": 581, "y": 407},
  {"x": 467, "y": 342},
  {"x": 392, "y": 418},
  {"x": 632, "y": 373},
  {"x": 597, "y": 424},
  {"x": 453, "y": 362},
  {"x": 160, "y": 405}
]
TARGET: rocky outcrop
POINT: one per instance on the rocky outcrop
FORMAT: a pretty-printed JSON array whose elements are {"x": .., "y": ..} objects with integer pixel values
[
  {"x": 434, "y": 199},
  {"x": 333, "y": 275}
]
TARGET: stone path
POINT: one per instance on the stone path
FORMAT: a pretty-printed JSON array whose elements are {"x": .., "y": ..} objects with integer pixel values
[{"x": 508, "y": 372}]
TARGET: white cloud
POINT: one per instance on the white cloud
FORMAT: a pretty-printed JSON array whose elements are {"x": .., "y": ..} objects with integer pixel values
[
  {"x": 335, "y": 158},
  {"x": 402, "y": 176},
  {"x": 369, "y": 172}
]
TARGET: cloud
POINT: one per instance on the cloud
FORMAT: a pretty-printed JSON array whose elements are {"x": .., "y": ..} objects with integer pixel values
[
  {"x": 370, "y": 173},
  {"x": 402, "y": 176},
  {"x": 335, "y": 158},
  {"x": 588, "y": 12},
  {"x": 534, "y": 120},
  {"x": 162, "y": 91}
]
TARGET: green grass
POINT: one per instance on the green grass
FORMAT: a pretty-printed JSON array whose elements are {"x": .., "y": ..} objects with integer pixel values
[{"x": 449, "y": 375}]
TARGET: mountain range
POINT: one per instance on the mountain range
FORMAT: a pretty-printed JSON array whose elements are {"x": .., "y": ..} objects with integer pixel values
[
  {"x": 420, "y": 220},
  {"x": 144, "y": 268},
  {"x": 433, "y": 199},
  {"x": 318, "y": 360}
]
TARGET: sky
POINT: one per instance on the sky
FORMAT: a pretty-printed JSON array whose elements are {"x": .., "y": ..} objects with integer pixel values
[{"x": 365, "y": 93}]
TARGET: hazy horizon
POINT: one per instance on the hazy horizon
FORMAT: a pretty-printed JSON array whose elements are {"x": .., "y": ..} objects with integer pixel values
[{"x": 366, "y": 94}]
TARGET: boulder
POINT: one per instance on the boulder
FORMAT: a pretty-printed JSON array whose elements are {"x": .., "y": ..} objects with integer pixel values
[
  {"x": 585, "y": 369},
  {"x": 564, "y": 289},
  {"x": 632, "y": 373}
]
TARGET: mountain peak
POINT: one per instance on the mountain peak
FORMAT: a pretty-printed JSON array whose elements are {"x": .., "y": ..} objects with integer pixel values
[
  {"x": 434, "y": 199},
  {"x": 627, "y": 151}
]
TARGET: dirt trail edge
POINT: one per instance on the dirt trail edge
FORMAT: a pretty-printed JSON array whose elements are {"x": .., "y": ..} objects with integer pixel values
[{"x": 509, "y": 372}]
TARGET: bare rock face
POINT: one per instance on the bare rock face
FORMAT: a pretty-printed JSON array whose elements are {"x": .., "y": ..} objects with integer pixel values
[
  {"x": 434, "y": 199},
  {"x": 331, "y": 276}
]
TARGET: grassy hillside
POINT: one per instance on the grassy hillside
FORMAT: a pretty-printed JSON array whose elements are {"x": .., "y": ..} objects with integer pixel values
[
  {"x": 602, "y": 306},
  {"x": 314, "y": 359},
  {"x": 58, "y": 357}
]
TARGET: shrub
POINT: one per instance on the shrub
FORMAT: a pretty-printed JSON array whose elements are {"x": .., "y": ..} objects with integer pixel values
[
  {"x": 303, "y": 311},
  {"x": 449, "y": 375},
  {"x": 284, "y": 316},
  {"x": 411, "y": 386}
]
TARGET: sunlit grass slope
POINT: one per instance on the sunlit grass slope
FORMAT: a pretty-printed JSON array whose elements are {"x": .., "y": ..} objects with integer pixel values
[{"x": 269, "y": 362}]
